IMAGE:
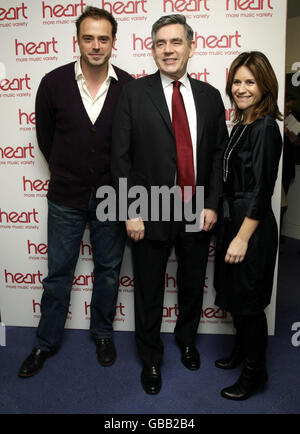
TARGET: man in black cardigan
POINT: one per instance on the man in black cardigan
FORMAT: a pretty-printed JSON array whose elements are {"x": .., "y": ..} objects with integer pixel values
[{"x": 74, "y": 109}]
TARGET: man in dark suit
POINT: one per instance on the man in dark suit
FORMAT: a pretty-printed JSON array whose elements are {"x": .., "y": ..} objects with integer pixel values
[
  {"x": 147, "y": 151},
  {"x": 74, "y": 110}
]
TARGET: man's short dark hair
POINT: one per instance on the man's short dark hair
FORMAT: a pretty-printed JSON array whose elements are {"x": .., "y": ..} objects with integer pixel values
[
  {"x": 173, "y": 19},
  {"x": 97, "y": 14}
]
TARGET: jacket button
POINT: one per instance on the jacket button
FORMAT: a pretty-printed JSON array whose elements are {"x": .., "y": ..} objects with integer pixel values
[{"x": 94, "y": 129}]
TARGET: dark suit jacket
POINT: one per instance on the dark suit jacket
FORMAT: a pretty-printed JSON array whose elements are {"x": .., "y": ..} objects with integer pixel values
[{"x": 144, "y": 148}]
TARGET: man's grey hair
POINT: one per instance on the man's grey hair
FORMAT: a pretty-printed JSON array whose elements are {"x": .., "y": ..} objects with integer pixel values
[{"x": 173, "y": 19}]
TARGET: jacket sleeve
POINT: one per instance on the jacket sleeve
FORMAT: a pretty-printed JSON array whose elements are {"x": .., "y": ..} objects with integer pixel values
[
  {"x": 221, "y": 137},
  {"x": 121, "y": 140},
  {"x": 266, "y": 145},
  {"x": 45, "y": 119},
  {"x": 121, "y": 153}
]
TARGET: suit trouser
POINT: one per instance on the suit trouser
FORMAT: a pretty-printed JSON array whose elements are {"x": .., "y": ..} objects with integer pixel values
[{"x": 150, "y": 260}]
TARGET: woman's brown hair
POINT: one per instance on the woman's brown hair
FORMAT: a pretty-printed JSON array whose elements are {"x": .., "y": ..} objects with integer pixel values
[{"x": 266, "y": 80}]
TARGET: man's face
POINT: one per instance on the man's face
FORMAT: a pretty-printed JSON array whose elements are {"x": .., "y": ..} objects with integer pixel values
[
  {"x": 171, "y": 51},
  {"x": 95, "y": 42}
]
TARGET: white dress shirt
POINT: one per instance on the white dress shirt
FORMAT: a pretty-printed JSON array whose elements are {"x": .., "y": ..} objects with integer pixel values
[
  {"x": 190, "y": 108},
  {"x": 93, "y": 106}
]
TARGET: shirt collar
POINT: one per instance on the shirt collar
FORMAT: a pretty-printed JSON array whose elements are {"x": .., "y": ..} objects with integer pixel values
[
  {"x": 166, "y": 81},
  {"x": 111, "y": 73}
]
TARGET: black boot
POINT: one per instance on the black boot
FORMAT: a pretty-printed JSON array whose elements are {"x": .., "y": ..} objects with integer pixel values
[
  {"x": 231, "y": 362},
  {"x": 253, "y": 378}
]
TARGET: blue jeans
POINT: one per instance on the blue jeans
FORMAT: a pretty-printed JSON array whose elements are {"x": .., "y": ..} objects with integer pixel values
[{"x": 65, "y": 231}]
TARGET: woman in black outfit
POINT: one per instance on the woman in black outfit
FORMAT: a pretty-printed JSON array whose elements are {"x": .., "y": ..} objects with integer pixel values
[{"x": 248, "y": 236}]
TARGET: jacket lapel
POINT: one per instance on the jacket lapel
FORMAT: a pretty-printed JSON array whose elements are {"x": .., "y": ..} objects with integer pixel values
[
  {"x": 200, "y": 109},
  {"x": 156, "y": 94}
]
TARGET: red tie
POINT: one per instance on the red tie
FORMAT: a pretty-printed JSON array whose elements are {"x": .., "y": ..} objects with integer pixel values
[{"x": 185, "y": 165}]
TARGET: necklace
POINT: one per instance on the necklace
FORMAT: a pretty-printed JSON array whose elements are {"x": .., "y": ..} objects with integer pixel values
[{"x": 229, "y": 151}]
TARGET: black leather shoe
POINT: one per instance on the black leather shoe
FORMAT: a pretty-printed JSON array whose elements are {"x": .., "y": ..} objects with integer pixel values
[
  {"x": 106, "y": 351},
  {"x": 34, "y": 362},
  {"x": 231, "y": 362},
  {"x": 151, "y": 380},
  {"x": 250, "y": 382},
  {"x": 190, "y": 357}
]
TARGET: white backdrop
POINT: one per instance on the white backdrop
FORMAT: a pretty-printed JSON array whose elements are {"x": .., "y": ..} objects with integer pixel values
[{"x": 37, "y": 36}]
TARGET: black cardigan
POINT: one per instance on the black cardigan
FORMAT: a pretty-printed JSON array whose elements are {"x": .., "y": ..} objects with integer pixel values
[{"x": 77, "y": 151}]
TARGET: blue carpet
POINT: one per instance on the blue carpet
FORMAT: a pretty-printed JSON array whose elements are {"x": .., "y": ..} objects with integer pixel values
[{"x": 72, "y": 381}]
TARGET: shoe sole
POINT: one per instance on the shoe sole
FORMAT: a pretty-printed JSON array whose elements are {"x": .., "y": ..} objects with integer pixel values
[
  {"x": 243, "y": 398},
  {"x": 150, "y": 392},
  {"x": 191, "y": 368},
  {"x": 106, "y": 364},
  {"x": 228, "y": 367},
  {"x": 29, "y": 375}
]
